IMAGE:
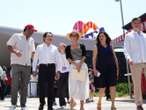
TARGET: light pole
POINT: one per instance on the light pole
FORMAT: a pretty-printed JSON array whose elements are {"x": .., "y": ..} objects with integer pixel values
[
  {"x": 127, "y": 67},
  {"x": 122, "y": 16}
]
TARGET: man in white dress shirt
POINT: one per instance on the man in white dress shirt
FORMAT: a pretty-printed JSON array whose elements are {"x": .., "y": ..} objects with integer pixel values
[
  {"x": 45, "y": 60},
  {"x": 134, "y": 50},
  {"x": 22, "y": 48}
]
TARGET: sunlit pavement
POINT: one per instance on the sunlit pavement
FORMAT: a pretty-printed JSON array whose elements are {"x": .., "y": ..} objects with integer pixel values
[{"x": 124, "y": 103}]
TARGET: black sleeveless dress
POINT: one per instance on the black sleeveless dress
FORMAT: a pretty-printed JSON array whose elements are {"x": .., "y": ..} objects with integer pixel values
[{"x": 107, "y": 67}]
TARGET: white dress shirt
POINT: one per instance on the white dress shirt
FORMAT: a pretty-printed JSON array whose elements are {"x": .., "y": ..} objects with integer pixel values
[
  {"x": 63, "y": 64},
  {"x": 45, "y": 55},
  {"x": 135, "y": 47},
  {"x": 26, "y": 46}
]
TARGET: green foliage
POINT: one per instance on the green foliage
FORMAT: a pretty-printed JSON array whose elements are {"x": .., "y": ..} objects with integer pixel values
[{"x": 121, "y": 89}]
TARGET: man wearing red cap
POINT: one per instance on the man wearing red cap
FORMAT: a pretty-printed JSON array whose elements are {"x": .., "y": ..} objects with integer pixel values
[{"x": 22, "y": 48}]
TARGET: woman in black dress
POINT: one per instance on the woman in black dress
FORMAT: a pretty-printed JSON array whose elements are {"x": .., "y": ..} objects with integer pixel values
[{"x": 105, "y": 63}]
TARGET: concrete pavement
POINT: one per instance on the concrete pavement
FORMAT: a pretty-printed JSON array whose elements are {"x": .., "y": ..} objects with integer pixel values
[{"x": 124, "y": 103}]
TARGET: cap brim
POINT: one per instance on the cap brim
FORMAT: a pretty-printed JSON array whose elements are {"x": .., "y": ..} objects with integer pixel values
[{"x": 34, "y": 30}]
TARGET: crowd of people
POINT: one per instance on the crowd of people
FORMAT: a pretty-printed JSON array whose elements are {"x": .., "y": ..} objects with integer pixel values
[{"x": 66, "y": 65}]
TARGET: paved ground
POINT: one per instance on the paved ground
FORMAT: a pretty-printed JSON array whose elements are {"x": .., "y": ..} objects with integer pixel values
[{"x": 124, "y": 103}]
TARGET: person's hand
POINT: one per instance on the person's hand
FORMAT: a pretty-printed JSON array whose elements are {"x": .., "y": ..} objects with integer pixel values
[
  {"x": 78, "y": 66},
  {"x": 18, "y": 53},
  {"x": 57, "y": 76},
  {"x": 130, "y": 62},
  {"x": 95, "y": 71}
]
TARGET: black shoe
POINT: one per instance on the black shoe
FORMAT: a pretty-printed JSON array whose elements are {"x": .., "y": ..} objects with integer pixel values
[
  {"x": 88, "y": 100},
  {"x": 2, "y": 98},
  {"x": 41, "y": 107},
  {"x": 50, "y": 108},
  {"x": 63, "y": 105},
  {"x": 139, "y": 107}
]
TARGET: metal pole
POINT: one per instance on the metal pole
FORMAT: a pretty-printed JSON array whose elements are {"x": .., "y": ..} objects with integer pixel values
[
  {"x": 122, "y": 17},
  {"x": 127, "y": 67}
]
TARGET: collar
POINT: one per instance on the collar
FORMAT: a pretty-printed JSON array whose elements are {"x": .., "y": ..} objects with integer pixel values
[
  {"x": 45, "y": 45},
  {"x": 23, "y": 36},
  {"x": 137, "y": 33}
]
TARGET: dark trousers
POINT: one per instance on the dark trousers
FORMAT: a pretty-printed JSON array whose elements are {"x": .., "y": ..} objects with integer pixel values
[
  {"x": 45, "y": 83},
  {"x": 2, "y": 90},
  {"x": 63, "y": 88}
]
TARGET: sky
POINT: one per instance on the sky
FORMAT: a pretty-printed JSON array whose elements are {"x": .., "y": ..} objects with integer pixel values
[{"x": 59, "y": 16}]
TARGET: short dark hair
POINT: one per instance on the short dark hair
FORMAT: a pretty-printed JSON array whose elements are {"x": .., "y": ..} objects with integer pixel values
[
  {"x": 108, "y": 39},
  {"x": 137, "y": 18},
  {"x": 47, "y": 34}
]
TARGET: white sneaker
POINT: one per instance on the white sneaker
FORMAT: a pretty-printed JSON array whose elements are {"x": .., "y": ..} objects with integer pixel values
[
  {"x": 23, "y": 108},
  {"x": 13, "y": 107}
]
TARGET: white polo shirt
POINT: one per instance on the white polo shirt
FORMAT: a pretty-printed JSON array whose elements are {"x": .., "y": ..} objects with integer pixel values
[{"x": 25, "y": 46}]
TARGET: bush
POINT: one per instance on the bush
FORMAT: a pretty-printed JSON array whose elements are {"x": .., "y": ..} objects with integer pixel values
[{"x": 122, "y": 89}]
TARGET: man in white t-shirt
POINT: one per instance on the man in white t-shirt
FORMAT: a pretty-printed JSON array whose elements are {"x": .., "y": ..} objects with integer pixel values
[{"x": 22, "y": 48}]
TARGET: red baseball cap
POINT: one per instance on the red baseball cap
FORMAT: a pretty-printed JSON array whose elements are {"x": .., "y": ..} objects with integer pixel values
[{"x": 30, "y": 27}]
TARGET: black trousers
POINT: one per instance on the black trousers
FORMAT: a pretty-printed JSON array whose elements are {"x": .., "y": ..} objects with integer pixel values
[
  {"x": 2, "y": 90},
  {"x": 45, "y": 84},
  {"x": 63, "y": 88}
]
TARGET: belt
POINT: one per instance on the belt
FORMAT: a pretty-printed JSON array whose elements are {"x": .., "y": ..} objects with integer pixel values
[{"x": 46, "y": 64}]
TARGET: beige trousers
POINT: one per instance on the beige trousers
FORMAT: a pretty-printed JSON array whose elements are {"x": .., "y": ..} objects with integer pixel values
[{"x": 136, "y": 70}]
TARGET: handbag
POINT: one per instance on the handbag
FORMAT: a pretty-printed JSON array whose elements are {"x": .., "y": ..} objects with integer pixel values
[{"x": 79, "y": 75}]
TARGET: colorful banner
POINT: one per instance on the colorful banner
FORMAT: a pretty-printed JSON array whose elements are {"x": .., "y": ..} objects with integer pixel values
[{"x": 88, "y": 30}]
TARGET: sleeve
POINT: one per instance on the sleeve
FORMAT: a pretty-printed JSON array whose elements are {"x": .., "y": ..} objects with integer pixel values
[
  {"x": 127, "y": 48},
  {"x": 83, "y": 50},
  {"x": 68, "y": 53},
  {"x": 35, "y": 59},
  {"x": 33, "y": 46},
  {"x": 1, "y": 71},
  {"x": 12, "y": 40},
  {"x": 57, "y": 58}
]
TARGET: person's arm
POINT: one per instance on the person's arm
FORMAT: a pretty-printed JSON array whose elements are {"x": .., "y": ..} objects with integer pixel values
[
  {"x": 82, "y": 60},
  {"x": 83, "y": 54},
  {"x": 15, "y": 51},
  {"x": 33, "y": 49},
  {"x": 11, "y": 45},
  {"x": 117, "y": 64},
  {"x": 71, "y": 61},
  {"x": 94, "y": 58},
  {"x": 35, "y": 61},
  {"x": 68, "y": 55},
  {"x": 127, "y": 49},
  {"x": 58, "y": 61}
]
